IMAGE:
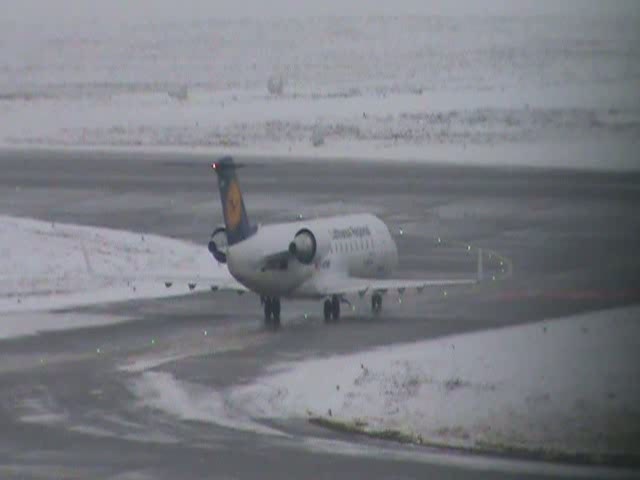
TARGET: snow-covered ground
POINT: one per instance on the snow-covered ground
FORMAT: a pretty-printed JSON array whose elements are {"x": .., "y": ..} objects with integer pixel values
[
  {"x": 46, "y": 266},
  {"x": 535, "y": 85},
  {"x": 193, "y": 402},
  {"x": 402, "y": 126},
  {"x": 569, "y": 385}
]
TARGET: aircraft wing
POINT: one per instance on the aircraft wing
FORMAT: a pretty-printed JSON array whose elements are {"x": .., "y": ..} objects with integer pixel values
[
  {"x": 212, "y": 283},
  {"x": 336, "y": 285}
]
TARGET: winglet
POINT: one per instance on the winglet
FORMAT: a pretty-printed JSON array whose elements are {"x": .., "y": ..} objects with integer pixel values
[{"x": 480, "y": 266}]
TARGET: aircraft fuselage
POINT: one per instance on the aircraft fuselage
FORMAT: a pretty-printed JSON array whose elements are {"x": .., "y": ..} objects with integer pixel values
[{"x": 351, "y": 245}]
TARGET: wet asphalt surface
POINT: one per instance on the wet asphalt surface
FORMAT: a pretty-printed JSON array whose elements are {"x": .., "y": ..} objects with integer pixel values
[{"x": 572, "y": 238}]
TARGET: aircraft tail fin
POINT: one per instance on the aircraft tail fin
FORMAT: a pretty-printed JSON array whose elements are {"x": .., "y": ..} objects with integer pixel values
[{"x": 236, "y": 220}]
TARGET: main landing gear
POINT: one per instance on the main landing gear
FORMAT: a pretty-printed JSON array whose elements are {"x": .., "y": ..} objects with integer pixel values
[
  {"x": 271, "y": 312},
  {"x": 376, "y": 303},
  {"x": 332, "y": 309}
]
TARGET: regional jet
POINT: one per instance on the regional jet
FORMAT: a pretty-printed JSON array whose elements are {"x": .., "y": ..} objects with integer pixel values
[{"x": 323, "y": 258}]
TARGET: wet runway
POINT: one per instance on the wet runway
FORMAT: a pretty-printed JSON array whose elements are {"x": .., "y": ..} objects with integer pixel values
[{"x": 572, "y": 238}]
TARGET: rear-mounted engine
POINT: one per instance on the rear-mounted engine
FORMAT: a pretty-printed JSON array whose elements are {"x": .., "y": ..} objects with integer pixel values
[
  {"x": 218, "y": 244},
  {"x": 306, "y": 247}
]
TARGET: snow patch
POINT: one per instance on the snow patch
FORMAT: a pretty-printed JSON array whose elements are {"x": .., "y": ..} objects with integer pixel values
[
  {"x": 559, "y": 129},
  {"x": 569, "y": 385},
  {"x": 42, "y": 410},
  {"x": 189, "y": 401},
  {"x": 564, "y": 82},
  {"x": 48, "y": 266},
  {"x": 31, "y": 323}
]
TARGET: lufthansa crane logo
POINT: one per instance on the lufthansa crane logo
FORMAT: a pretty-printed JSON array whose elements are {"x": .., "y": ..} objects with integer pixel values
[{"x": 234, "y": 206}]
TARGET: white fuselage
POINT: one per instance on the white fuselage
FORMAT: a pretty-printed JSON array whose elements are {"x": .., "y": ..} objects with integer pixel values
[{"x": 352, "y": 246}]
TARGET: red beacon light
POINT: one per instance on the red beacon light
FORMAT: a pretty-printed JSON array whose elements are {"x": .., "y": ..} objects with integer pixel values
[{"x": 214, "y": 165}]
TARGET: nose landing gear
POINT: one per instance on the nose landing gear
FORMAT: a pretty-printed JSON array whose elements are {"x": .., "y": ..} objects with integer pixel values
[
  {"x": 376, "y": 303},
  {"x": 271, "y": 312},
  {"x": 332, "y": 309}
]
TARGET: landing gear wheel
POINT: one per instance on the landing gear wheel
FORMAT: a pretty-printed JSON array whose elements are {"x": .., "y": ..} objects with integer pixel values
[
  {"x": 268, "y": 311},
  {"x": 272, "y": 312},
  {"x": 275, "y": 312},
  {"x": 335, "y": 308},
  {"x": 328, "y": 310},
  {"x": 376, "y": 303}
]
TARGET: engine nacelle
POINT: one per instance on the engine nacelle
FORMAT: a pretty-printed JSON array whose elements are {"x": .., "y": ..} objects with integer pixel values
[
  {"x": 218, "y": 245},
  {"x": 308, "y": 247}
]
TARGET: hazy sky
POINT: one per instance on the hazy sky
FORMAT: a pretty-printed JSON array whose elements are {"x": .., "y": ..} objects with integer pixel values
[{"x": 63, "y": 11}]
